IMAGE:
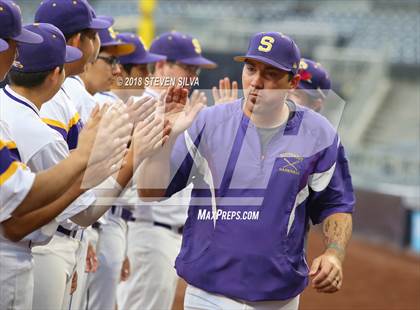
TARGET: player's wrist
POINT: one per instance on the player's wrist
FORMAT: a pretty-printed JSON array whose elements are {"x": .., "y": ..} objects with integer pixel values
[
  {"x": 130, "y": 158},
  {"x": 335, "y": 250},
  {"x": 79, "y": 159}
]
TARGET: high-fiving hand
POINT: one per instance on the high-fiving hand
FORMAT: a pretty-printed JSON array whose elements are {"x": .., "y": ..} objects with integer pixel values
[
  {"x": 226, "y": 92},
  {"x": 179, "y": 110},
  {"x": 139, "y": 109},
  {"x": 104, "y": 139}
]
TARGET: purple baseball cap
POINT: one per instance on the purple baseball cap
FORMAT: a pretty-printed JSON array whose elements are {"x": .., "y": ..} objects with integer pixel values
[
  {"x": 181, "y": 47},
  {"x": 114, "y": 45},
  {"x": 314, "y": 78},
  {"x": 109, "y": 19},
  {"x": 49, "y": 54},
  {"x": 140, "y": 55},
  {"x": 70, "y": 16},
  {"x": 11, "y": 26},
  {"x": 275, "y": 49}
]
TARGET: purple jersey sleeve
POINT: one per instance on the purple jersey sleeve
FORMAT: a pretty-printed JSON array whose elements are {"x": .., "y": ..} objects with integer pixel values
[
  {"x": 338, "y": 195},
  {"x": 182, "y": 162}
]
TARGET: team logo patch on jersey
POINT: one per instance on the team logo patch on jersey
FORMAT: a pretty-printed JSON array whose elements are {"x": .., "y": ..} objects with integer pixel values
[{"x": 290, "y": 162}]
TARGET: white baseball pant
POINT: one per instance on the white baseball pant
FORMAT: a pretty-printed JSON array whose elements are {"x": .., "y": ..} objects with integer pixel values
[
  {"x": 198, "y": 299},
  {"x": 111, "y": 251},
  {"x": 152, "y": 251},
  {"x": 76, "y": 301},
  {"x": 16, "y": 282},
  {"x": 54, "y": 266}
]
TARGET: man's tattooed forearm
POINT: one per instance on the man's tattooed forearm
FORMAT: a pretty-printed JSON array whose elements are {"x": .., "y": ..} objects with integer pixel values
[{"x": 337, "y": 232}]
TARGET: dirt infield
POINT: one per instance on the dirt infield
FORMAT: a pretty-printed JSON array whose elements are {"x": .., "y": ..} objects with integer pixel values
[{"x": 375, "y": 278}]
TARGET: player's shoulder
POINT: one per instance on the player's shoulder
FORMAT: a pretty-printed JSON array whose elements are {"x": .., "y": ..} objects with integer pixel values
[
  {"x": 105, "y": 97},
  {"x": 227, "y": 108},
  {"x": 215, "y": 115},
  {"x": 41, "y": 136},
  {"x": 60, "y": 113},
  {"x": 73, "y": 81},
  {"x": 14, "y": 107},
  {"x": 5, "y": 134},
  {"x": 20, "y": 120},
  {"x": 314, "y": 122},
  {"x": 60, "y": 102},
  {"x": 75, "y": 88},
  {"x": 105, "y": 94}
]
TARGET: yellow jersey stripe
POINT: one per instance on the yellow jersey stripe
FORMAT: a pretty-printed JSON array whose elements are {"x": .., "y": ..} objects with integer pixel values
[
  {"x": 8, "y": 144},
  {"x": 74, "y": 120},
  {"x": 55, "y": 123},
  {"x": 10, "y": 171}
]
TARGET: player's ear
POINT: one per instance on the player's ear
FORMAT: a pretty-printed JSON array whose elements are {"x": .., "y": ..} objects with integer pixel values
[
  {"x": 294, "y": 81},
  {"x": 74, "y": 40},
  {"x": 159, "y": 65},
  {"x": 55, "y": 75}
]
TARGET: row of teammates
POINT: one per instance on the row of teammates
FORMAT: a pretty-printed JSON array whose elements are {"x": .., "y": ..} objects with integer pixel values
[{"x": 64, "y": 136}]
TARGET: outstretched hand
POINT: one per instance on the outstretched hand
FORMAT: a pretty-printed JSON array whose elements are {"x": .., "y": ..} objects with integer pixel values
[
  {"x": 148, "y": 137},
  {"x": 105, "y": 135},
  {"x": 105, "y": 138},
  {"x": 226, "y": 92},
  {"x": 139, "y": 110},
  {"x": 178, "y": 110}
]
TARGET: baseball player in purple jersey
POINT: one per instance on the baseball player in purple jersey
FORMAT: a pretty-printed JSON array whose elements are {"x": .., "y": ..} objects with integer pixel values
[
  {"x": 311, "y": 92},
  {"x": 261, "y": 167},
  {"x": 313, "y": 86}
]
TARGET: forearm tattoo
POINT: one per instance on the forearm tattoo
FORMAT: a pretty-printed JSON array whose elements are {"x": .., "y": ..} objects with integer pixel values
[{"x": 337, "y": 229}]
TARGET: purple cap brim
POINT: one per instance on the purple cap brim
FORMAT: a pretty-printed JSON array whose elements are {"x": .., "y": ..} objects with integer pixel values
[
  {"x": 72, "y": 54},
  {"x": 107, "y": 18},
  {"x": 3, "y": 45},
  {"x": 146, "y": 59},
  {"x": 199, "y": 61},
  {"x": 29, "y": 37},
  {"x": 100, "y": 23},
  {"x": 151, "y": 57},
  {"x": 311, "y": 91},
  {"x": 302, "y": 85},
  {"x": 118, "y": 48},
  {"x": 264, "y": 60}
]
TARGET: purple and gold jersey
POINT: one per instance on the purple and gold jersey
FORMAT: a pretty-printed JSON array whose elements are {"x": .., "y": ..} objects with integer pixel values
[
  {"x": 61, "y": 115},
  {"x": 249, "y": 211},
  {"x": 15, "y": 178}
]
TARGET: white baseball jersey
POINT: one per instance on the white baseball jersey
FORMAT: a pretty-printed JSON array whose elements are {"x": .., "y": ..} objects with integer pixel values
[
  {"x": 61, "y": 115},
  {"x": 83, "y": 101},
  {"x": 106, "y": 97},
  {"x": 111, "y": 98},
  {"x": 15, "y": 178},
  {"x": 40, "y": 147}
]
